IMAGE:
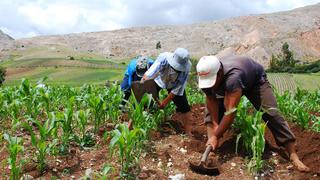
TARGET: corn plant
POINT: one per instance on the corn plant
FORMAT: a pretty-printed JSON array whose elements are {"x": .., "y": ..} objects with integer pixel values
[
  {"x": 316, "y": 124},
  {"x": 195, "y": 96},
  {"x": 97, "y": 105},
  {"x": 66, "y": 123},
  {"x": 252, "y": 132},
  {"x": 114, "y": 95},
  {"x": 14, "y": 110},
  {"x": 129, "y": 146},
  {"x": 137, "y": 112},
  {"x": 29, "y": 98},
  {"x": 39, "y": 142},
  {"x": 15, "y": 147},
  {"x": 170, "y": 108},
  {"x": 301, "y": 116},
  {"x": 86, "y": 140}
]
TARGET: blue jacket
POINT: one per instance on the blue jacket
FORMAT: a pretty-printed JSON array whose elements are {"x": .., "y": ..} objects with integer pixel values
[{"x": 131, "y": 70}]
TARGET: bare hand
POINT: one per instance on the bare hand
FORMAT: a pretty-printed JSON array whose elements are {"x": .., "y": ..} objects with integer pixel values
[
  {"x": 213, "y": 141},
  {"x": 144, "y": 78},
  {"x": 161, "y": 105}
]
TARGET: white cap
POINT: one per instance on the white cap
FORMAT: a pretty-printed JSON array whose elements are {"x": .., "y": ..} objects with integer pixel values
[
  {"x": 180, "y": 60},
  {"x": 207, "y": 69}
]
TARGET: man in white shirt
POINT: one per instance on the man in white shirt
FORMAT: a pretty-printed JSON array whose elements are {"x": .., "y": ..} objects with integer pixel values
[{"x": 170, "y": 71}]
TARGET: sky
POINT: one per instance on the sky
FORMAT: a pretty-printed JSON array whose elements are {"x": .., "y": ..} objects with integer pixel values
[{"x": 27, "y": 18}]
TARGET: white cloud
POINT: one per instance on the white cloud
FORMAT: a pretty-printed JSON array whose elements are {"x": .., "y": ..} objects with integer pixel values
[{"x": 41, "y": 17}]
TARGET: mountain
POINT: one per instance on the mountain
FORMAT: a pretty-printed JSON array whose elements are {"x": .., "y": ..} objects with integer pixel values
[
  {"x": 5, "y": 43},
  {"x": 258, "y": 36}
]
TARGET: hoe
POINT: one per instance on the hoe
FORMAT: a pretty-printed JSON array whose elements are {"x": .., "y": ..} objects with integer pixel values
[{"x": 203, "y": 167}]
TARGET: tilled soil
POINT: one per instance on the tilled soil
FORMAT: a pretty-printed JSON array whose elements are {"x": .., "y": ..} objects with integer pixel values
[
  {"x": 169, "y": 152},
  {"x": 167, "y": 148}
]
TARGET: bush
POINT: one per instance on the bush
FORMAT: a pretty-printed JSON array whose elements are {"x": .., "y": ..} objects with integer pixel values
[
  {"x": 285, "y": 62},
  {"x": 158, "y": 45},
  {"x": 2, "y": 75}
]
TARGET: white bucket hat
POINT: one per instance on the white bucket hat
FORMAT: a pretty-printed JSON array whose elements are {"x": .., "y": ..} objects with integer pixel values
[
  {"x": 180, "y": 60},
  {"x": 207, "y": 69}
]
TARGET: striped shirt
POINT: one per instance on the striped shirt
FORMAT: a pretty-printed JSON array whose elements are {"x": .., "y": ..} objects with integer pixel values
[{"x": 166, "y": 77}]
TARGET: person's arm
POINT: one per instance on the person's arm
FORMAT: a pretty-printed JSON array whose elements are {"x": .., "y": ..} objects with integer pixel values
[
  {"x": 155, "y": 68},
  {"x": 212, "y": 106},
  {"x": 165, "y": 102},
  {"x": 231, "y": 102},
  {"x": 216, "y": 130}
]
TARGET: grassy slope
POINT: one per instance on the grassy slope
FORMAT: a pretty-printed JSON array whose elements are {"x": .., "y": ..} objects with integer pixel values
[
  {"x": 35, "y": 63},
  {"x": 285, "y": 81},
  {"x": 67, "y": 75}
]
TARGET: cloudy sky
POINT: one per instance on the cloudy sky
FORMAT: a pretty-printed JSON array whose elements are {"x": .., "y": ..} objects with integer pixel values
[{"x": 26, "y": 18}]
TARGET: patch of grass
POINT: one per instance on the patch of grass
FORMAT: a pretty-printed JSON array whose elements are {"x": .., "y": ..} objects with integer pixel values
[
  {"x": 67, "y": 76},
  {"x": 286, "y": 81},
  {"x": 307, "y": 81}
]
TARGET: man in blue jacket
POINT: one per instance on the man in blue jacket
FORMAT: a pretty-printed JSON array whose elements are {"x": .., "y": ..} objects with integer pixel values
[{"x": 135, "y": 70}]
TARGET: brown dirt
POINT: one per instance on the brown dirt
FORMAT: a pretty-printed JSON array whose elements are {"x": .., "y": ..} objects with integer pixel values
[
  {"x": 232, "y": 165},
  {"x": 169, "y": 152},
  {"x": 16, "y": 71}
]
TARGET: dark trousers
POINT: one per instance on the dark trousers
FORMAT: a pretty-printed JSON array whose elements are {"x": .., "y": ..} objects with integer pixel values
[
  {"x": 181, "y": 102},
  {"x": 262, "y": 97}
]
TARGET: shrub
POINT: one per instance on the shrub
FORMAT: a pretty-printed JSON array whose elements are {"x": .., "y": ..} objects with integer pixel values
[
  {"x": 2, "y": 75},
  {"x": 284, "y": 62},
  {"x": 158, "y": 45}
]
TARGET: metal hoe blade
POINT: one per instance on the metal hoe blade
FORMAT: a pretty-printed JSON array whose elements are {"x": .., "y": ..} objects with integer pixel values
[{"x": 202, "y": 167}]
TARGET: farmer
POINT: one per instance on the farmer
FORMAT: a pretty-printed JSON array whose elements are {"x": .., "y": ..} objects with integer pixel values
[
  {"x": 224, "y": 81},
  {"x": 135, "y": 70},
  {"x": 170, "y": 71}
]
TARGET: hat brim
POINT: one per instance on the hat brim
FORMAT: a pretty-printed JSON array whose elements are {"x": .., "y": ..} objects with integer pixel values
[
  {"x": 207, "y": 81},
  {"x": 179, "y": 67}
]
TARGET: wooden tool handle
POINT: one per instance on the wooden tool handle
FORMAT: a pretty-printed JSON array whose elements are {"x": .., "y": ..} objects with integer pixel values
[{"x": 205, "y": 154}]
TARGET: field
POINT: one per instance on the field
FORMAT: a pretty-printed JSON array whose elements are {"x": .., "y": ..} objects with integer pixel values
[
  {"x": 290, "y": 82},
  {"x": 51, "y": 131},
  {"x": 62, "y": 66},
  {"x": 80, "y": 132}
]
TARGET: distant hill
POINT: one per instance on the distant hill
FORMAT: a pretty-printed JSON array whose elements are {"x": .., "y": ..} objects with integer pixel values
[
  {"x": 258, "y": 36},
  {"x": 5, "y": 43}
]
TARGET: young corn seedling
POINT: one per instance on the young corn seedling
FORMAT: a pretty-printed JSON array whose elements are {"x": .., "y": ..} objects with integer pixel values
[
  {"x": 113, "y": 97},
  {"x": 66, "y": 123},
  {"x": 97, "y": 106},
  {"x": 82, "y": 117},
  {"x": 39, "y": 142},
  {"x": 15, "y": 147},
  {"x": 138, "y": 113},
  {"x": 14, "y": 110},
  {"x": 301, "y": 116},
  {"x": 129, "y": 146},
  {"x": 196, "y": 97},
  {"x": 29, "y": 98},
  {"x": 252, "y": 133}
]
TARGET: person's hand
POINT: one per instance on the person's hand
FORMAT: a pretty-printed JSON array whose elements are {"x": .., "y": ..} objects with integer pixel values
[
  {"x": 144, "y": 78},
  {"x": 161, "y": 105},
  {"x": 213, "y": 141}
]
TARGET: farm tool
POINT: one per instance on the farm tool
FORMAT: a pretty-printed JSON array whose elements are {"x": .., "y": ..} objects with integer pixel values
[
  {"x": 148, "y": 86},
  {"x": 203, "y": 167},
  {"x": 140, "y": 88}
]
